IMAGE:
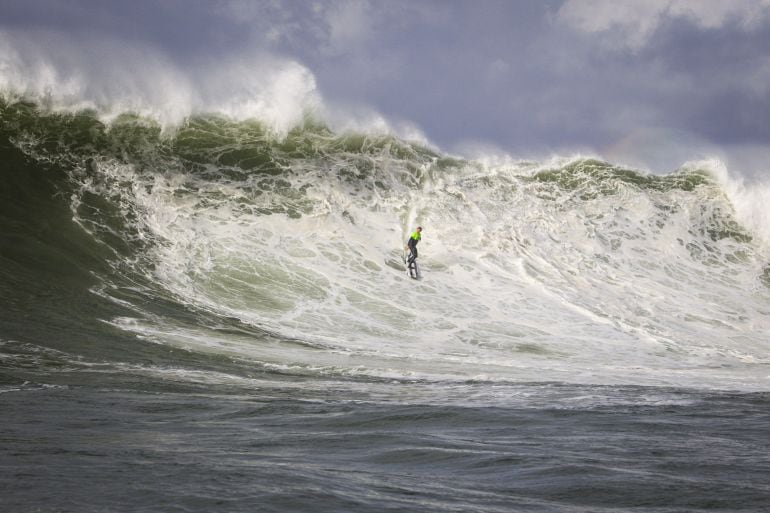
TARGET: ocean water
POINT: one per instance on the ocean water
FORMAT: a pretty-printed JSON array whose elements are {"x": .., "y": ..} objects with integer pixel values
[{"x": 216, "y": 317}]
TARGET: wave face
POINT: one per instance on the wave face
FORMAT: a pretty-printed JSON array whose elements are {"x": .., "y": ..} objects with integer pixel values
[{"x": 283, "y": 252}]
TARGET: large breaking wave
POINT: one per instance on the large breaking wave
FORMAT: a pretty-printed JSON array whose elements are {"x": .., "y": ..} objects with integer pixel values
[{"x": 282, "y": 249}]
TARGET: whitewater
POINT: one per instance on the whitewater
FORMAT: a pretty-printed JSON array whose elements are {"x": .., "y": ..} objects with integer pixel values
[
  {"x": 573, "y": 271},
  {"x": 210, "y": 312}
]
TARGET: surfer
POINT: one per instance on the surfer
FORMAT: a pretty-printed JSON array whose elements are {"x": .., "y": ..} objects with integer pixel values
[{"x": 412, "y": 244}]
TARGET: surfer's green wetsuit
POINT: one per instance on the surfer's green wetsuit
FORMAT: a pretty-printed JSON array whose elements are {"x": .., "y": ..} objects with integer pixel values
[{"x": 412, "y": 243}]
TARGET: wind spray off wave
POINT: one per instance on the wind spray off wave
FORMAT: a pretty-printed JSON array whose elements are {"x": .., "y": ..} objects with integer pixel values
[{"x": 70, "y": 74}]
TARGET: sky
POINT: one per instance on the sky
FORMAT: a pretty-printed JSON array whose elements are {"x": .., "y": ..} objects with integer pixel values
[{"x": 646, "y": 83}]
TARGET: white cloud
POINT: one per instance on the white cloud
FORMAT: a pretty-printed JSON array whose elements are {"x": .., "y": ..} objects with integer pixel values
[
  {"x": 498, "y": 70},
  {"x": 272, "y": 20},
  {"x": 349, "y": 25},
  {"x": 333, "y": 27},
  {"x": 715, "y": 13},
  {"x": 758, "y": 79},
  {"x": 631, "y": 23}
]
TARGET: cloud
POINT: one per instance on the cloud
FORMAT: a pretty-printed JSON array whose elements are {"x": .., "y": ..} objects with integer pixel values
[
  {"x": 332, "y": 28},
  {"x": 275, "y": 22},
  {"x": 349, "y": 25},
  {"x": 632, "y": 24},
  {"x": 497, "y": 70}
]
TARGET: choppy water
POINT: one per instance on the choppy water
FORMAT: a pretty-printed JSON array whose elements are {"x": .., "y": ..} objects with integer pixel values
[{"x": 216, "y": 318}]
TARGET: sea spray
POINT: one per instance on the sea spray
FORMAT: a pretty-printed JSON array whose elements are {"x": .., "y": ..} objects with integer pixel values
[{"x": 748, "y": 197}]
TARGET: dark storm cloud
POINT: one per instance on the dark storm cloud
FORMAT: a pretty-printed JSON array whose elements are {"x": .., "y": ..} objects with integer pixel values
[{"x": 728, "y": 79}]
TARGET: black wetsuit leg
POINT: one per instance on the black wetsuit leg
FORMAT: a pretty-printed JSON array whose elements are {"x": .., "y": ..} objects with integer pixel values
[{"x": 412, "y": 253}]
